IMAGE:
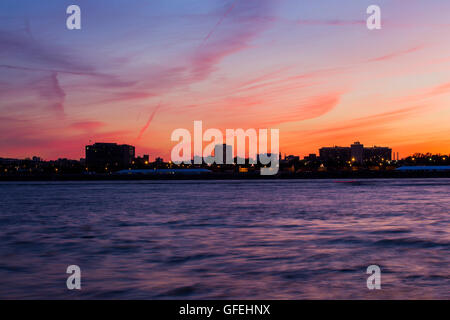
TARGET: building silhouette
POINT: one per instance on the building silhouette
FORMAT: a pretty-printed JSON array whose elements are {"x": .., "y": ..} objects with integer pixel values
[
  {"x": 377, "y": 154},
  {"x": 356, "y": 153},
  {"x": 106, "y": 157},
  {"x": 223, "y": 154},
  {"x": 335, "y": 154}
]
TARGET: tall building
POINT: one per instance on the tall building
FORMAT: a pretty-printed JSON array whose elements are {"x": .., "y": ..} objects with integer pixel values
[
  {"x": 377, "y": 154},
  {"x": 335, "y": 154},
  {"x": 357, "y": 152},
  {"x": 109, "y": 156},
  {"x": 223, "y": 153}
]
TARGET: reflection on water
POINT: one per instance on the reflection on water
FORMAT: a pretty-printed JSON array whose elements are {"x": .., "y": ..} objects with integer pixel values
[{"x": 288, "y": 239}]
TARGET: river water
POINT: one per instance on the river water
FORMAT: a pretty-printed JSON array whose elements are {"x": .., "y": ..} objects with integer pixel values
[{"x": 274, "y": 239}]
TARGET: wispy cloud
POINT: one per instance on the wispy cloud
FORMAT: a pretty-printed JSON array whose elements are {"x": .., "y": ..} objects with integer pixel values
[
  {"x": 50, "y": 89},
  {"x": 331, "y": 22},
  {"x": 397, "y": 54},
  {"x": 147, "y": 124},
  {"x": 311, "y": 108},
  {"x": 88, "y": 126}
]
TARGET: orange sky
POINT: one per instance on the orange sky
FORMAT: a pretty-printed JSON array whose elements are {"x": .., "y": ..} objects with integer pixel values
[{"x": 312, "y": 70}]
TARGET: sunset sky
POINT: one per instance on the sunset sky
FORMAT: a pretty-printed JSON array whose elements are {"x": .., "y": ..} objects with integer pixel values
[{"x": 140, "y": 69}]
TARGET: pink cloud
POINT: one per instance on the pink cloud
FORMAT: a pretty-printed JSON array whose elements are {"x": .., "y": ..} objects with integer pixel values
[
  {"x": 309, "y": 109},
  {"x": 87, "y": 125},
  {"x": 397, "y": 54},
  {"x": 331, "y": 22},
  {"x": 147, "y": 124},
  {"x": 50, "y": 89}
]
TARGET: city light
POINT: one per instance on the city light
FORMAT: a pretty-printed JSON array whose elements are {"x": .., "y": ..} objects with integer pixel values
[{"x": 111, "y": 158}]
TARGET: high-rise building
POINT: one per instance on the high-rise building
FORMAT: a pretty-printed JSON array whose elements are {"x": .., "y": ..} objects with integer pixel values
[
  {"x": 335, "y": 154},
  {"x": 357, "y": 152},
  {"x": 377, "y": 154},
  {"x": 223, "y": 153},
  {"x": 109, "y": 156}
]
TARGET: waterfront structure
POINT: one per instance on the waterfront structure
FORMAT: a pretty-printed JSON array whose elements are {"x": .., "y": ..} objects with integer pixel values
[
  {"x": 335, "y": 154},
  {"x": 424, "y": 168},
  {"x": 356, "y": 153},
  {"x": 224, "y": 153},
  {"x": 142, "y": 161},
  {"x": 106, "y": 157},
  {"x": 164, "y": 172},
  {"x": 377, "y": 154}
]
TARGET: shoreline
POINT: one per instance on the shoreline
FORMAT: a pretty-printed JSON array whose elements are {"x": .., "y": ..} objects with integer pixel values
[{"x": 365, "y": 175}]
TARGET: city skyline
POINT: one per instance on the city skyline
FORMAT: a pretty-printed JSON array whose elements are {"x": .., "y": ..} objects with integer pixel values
[
  {"x": 224, "y": 145},
  {"x": 392, "y": 154},
  {"x": 138, "y": 71},
  {"x": 121, "y": 159}
]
